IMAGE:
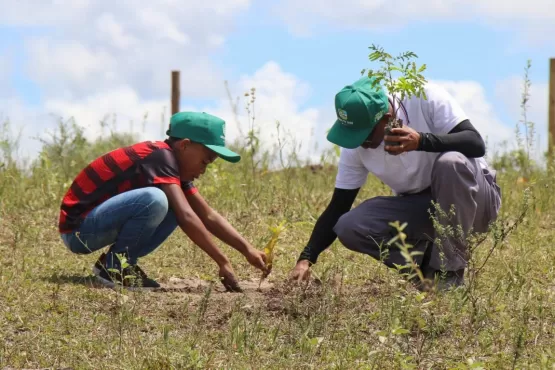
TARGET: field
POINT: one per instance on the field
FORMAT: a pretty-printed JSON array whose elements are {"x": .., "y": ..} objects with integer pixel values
[{"x": 354, "y": 313}]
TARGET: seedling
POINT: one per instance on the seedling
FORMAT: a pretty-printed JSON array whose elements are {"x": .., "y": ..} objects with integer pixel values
[
  {"x": 270, "y": 246},
  {"x": 410, "y": 82}
]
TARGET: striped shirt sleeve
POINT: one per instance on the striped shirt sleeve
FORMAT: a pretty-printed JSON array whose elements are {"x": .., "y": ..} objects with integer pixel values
[
  {"x": 189, "y": 188},
  {"x": 160, "y": 167}
]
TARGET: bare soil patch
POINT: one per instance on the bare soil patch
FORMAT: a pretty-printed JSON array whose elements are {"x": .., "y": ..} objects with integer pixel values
[{"x": 198, "y": 286}]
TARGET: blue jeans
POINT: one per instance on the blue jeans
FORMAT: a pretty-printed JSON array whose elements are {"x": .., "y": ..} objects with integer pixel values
[{"x": 135, "y": 222}]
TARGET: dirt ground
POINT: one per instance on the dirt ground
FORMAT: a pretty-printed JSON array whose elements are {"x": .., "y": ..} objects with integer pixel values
[{"x": 198, "y": 286}]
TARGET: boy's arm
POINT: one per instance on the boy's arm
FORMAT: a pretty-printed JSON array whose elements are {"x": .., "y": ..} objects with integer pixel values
[
  {"x": 222, "y": 229},
  {"x": 190, "y": 223}
]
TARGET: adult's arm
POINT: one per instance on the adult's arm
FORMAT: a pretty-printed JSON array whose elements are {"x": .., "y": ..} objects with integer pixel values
[
  {"x": 323, "y": 235},
  {"x": 463, "y": 138}
]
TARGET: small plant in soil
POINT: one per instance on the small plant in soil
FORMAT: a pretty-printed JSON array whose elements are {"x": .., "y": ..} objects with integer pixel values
[
  {"x": 410, "y": 82},
  {"x": 269, "y": 248}
]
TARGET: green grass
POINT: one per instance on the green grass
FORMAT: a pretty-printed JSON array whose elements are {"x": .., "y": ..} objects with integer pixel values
[{"x": 360, "y": 315}]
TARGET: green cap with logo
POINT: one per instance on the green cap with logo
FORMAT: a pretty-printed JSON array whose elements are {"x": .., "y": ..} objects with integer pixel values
[
  {"x": 359, "y": 107},
  {"x": 202, "y": 128}
]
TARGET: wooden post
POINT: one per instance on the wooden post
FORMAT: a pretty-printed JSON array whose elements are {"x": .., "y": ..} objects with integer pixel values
[
  {"x": 551, "y": 107},
  {"x": 175, "y": 92}
]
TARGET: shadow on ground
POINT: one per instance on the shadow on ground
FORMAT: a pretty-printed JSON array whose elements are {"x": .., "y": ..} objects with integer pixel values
[
  {"x": 174, "y": 284},
  {"x": 88, "y": 281}
]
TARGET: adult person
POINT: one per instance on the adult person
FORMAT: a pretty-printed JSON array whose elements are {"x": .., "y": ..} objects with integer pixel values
[
  {"x": 133, "y": 198},
  {"x": 438, "y": 157}
]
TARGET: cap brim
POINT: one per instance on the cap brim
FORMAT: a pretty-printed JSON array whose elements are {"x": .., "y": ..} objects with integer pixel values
[
  {"x": 347, "y": 137},
  {"x": 225, "y": 153}
]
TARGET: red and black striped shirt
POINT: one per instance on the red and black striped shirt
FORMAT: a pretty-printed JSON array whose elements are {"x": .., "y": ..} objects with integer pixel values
[{"x": 140, "y": 165}]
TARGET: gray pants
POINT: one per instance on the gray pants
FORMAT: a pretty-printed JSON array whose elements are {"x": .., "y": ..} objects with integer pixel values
[{"x": 456, "y": 181}]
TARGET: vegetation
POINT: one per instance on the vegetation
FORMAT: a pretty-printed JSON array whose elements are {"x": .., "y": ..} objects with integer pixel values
[
  {"x": 410, "y": 82},
  {"x": 356, "y": 314}
]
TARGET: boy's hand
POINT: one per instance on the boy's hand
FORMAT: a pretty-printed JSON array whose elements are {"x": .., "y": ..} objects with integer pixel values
[
  {"x": 257, "y": 259},
  {"x": 228, "y": 279}
]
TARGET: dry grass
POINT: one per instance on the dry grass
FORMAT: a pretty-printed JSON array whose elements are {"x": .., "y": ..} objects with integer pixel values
[{"x": 358, "y": 315}]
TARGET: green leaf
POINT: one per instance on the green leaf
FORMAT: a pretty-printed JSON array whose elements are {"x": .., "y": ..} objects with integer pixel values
[{"x": 400, "y": 331}]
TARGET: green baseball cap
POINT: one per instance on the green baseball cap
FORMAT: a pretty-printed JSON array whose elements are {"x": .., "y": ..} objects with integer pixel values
[
  {"x": 202, "y": 128},
  {"x": 359, "y": 107}
]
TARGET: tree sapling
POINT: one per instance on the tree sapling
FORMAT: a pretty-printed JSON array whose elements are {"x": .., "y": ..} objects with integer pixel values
[{"x": 410, "y": 82}]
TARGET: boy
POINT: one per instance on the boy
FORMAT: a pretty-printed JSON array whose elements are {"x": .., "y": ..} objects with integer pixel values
[{"x": 133, "y": 198}]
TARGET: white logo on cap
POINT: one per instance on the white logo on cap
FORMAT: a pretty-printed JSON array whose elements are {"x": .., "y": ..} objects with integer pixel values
[
  {"x": 379, "y": 115},
  {"x": 342, "y": 117},
  {"x": 342, "y": 114}
]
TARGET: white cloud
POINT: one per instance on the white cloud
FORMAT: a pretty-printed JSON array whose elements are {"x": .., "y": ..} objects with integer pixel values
[
  {"x": 25, "y": 124},
  {"x": 377, "y": 14},
  {"x": 121, "y": 110},
  {"x": 161, "y": 26},
  {"x": 70, "y": 67},
  {"x": 509, "y": 91},
  {"x": 5, "y": 71},
  {"x": 98, "y": 58},
  {"x": 279, "y": 97},
  {"x": 472, "y": 97},
  {"x": 121, "y": 105},
  {"x": 92, "y": 46},
  {"x": 42, "y": 13},
  {"x": 216, "y": 40},
  {"x": 106, "y": 59},
  {"x": 114, "y": 32}
]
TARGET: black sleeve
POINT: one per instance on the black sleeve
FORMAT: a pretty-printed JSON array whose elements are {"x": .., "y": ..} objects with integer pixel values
[
  {"x": 464, "y": 138},
  {"x": 322, "y": 234}
]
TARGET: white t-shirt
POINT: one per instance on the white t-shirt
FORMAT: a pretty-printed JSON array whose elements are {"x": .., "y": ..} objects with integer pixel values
[{"x": 408, "y": 172}]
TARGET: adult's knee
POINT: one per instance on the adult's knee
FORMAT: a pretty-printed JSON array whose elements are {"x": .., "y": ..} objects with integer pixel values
[
  {"x": 452, "y": 166},
  {"x": 448, "y": 162},
  {"x": 344, "y": 229},
  {"x": 359, "y": 233}
]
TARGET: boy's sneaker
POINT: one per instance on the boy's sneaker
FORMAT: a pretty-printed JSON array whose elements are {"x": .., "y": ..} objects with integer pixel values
[
  {"x": 134, "y": 278},
  {"x": 146, "y": 281},
  {"x": 99, "y": 265}
]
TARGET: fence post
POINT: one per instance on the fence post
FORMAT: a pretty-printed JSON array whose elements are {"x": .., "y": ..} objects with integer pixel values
[
  {"x": 551, "y": 108},
  {"x": 175, "y": 92}
]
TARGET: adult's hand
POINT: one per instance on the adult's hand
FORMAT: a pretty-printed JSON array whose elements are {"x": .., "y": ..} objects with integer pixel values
[
  {"x": 301, "y": 272},
  {"x": 407, "y": 137}
]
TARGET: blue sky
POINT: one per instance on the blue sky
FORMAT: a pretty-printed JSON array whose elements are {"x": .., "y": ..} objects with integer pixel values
[{"x": 298, "y": 53}]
